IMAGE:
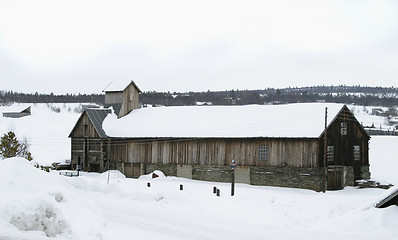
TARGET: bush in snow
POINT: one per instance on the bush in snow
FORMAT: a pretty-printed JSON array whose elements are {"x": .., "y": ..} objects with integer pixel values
[{"x": 10, "y": 146}]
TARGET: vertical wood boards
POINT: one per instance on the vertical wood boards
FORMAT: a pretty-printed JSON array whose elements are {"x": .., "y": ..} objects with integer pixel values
[
  {"x": 130, "y": 100},
  {"x": 282, "y": 152},
  {"x": 84, "y": 128}
]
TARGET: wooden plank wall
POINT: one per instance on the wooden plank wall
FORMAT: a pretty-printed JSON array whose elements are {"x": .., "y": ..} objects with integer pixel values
[
  {"x": 282, "y": 152},
  {"x": 118, "y": 150},
  {"x": 343, "y": 144},
  {"x": 113, "y": 97},
  {"x": 130, "y": 100},
  {"x": 81, "y": 131}
]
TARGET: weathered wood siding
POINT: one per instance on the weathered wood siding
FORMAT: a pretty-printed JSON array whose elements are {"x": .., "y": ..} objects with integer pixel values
[
  {"x": 245, "y": 152},
  {"x": 344, "y": 141},
  {"x": 130, "y": 100},
  {"x": 92, "y": 153},
  {"x": 118, "y": 150},
  {"x": 344, "y": 144},
  {"x": 84, "y": 128},
  {"x": 113, "y": 97}
]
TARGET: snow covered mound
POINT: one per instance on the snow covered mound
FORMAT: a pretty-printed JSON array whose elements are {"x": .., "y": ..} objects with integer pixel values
[
  {"x": 154, "y": 174},
  {"x": 35, "y": 204},
  {"x": 41, "y": 216}
]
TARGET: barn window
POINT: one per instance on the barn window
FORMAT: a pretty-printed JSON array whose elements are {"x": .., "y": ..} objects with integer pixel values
[
  {"x": 357, "y": 153},
  {"x": 343, "y": 128},
  {"x": 263, "y": 153},
  {"x": 330, "y": 153}
]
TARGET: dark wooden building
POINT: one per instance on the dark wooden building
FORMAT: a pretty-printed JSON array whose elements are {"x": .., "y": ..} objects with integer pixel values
[{"x": 272, "y": 145}]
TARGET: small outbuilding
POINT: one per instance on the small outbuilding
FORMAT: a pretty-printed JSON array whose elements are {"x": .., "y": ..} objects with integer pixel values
[
  {"x": 122, "y": 96},
  {"x": 18, "y": 113}
]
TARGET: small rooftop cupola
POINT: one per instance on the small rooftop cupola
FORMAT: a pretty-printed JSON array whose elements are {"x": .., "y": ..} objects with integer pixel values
[{"x": 122, "y": 96}]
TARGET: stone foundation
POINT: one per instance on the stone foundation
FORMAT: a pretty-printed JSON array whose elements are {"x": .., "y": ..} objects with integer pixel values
[
  {"x": 365, "y": 172},
  {"x": 184, "y": 171},
  {"x": 308, "y": 178},
  {"x": 211, "y": 173},
  {"x": 349, "y": 178},
  {"x": 167, "y": 169}
]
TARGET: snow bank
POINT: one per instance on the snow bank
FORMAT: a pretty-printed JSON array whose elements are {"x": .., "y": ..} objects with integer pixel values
[
  {"x": 35, "y": 204},
  {"x": 158, "y": 173},
  {"x": 41, "y": 216}
]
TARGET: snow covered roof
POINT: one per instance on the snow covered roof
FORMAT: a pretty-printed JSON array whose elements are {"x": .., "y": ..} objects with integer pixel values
[
  {"x": 97, "y": 116},
  {"x": 18, "y": 108},
  {"x": 391, "y": 198},
  {"x": 119, "y": 86},
  {"x": 306, "y": 120}
]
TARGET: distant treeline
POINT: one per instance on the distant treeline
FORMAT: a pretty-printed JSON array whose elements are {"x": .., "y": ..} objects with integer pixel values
[
  {"x": 366, "y": 96},
  {"x": 7, "y": 97},
  {"x": 376, "y": 96}
]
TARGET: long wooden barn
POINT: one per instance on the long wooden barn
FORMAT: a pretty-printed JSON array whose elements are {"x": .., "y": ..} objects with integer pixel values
[{"x": 274, "y": 145}]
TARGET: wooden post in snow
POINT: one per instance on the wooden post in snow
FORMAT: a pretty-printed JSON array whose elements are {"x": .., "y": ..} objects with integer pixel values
[{"x": 325, "y": 170}]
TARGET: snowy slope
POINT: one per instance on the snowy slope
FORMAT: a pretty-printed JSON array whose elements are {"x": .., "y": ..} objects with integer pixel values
[{"x": 46, "y": 129}]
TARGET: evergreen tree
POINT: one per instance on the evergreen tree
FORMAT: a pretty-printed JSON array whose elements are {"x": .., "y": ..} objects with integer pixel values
[{"x": 11, "y": 147}]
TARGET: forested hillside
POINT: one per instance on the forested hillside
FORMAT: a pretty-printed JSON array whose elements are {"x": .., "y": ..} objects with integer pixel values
[{"x": 366, "y": 96}]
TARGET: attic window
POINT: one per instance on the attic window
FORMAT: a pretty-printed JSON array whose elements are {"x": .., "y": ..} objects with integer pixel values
[
  {"x": 343, "y": 128},
  {"x": 357, "y": 153},
  {"x": 263, "y": 153}
]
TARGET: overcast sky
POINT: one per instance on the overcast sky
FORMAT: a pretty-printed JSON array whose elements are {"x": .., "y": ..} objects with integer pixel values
[{"x": 81, "y": 46}]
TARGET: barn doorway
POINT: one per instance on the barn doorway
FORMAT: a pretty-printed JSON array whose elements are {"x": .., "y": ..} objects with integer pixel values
[{"x": 335, "y": 177}]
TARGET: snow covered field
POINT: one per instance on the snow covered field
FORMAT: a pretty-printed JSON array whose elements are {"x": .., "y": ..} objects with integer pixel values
[
  {"x": 38, "y": 205},
  {"x": 46, "y": 129}
]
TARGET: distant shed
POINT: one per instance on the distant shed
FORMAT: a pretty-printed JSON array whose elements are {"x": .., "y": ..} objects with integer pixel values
[{"x": 18, "y": 114}]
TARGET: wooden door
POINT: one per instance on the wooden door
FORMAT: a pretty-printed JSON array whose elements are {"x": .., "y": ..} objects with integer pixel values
[
  {"x": 335, "y": 177},
  {"x": 136, "y": 170},
  {"x": 128, "y": 170}
]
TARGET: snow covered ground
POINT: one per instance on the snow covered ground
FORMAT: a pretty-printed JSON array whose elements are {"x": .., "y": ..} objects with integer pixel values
[{"x": 35, "y": 204}]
